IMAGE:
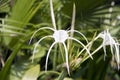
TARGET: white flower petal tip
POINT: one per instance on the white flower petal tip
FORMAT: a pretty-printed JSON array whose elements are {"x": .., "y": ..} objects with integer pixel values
[{"x": 66, "y": 67}]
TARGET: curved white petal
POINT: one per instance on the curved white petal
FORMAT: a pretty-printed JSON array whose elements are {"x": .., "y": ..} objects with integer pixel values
[
  {"x": 117, "y": 56},
  {"x": 48, "y": 55},
  {"x": 82, "y": 45},
  {"x": 66, "y": 56},
  {"x": 79, "y": 33},
  {"x": 105, "y": 38},
  {"x": 39, "y": 30},
  {"x": 37, "y": 45}
]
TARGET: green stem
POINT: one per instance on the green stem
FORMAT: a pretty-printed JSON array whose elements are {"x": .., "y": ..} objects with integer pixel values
[
  {"x": 62, "y": 53},
  {"x": 92, "y": 53},
  {"x": 54, "y": 58},
  {"x": 62, "y": 75},
  {"x": 49, "y": 72},
  {"x": 85, "y": 58}
]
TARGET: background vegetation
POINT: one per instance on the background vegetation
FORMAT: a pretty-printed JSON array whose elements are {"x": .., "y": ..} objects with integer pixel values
[{"x": 20, "y": 18}]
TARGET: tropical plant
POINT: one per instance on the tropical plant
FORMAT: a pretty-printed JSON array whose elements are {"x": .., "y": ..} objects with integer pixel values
[{"x": 83, "y": 43}]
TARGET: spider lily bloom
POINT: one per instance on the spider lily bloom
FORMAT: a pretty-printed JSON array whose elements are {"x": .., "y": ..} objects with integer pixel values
[
  {"x": 59, "y": 36},
  {"x": 113, "y": 43}
]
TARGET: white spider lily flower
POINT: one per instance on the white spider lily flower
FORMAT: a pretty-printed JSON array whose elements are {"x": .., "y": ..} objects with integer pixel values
[
  {"x": 60, "y": 36},
  {"x": 113, "y": 43}
]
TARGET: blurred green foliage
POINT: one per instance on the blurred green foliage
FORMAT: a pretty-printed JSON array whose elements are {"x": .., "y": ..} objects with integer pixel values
[{"x": 20, "y": 18}]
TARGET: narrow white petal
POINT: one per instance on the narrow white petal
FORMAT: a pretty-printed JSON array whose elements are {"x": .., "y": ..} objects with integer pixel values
[
  {"x": 66, "y": 55},
  {"x": 48, "y": 55},
  {"x": 37, "y": 45},
  {"x": 39, "y": 30},
  {"x": 105, "y": 37},
  {"x": 117, "y": 54},
  {"x": 104, "y": 49},
  {"x": 79, "y": 33},
  {"x": 112, "y": 43},
  {"x": 73, "y": 20},
  {"x": 82, "y": 45},
  {"x": 52, "y": 14}
]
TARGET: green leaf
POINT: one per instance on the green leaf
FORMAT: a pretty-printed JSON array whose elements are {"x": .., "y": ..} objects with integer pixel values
[
  {"x": 22, "y": 12},
  {"x": 32, "y": 73},
  {"x": 40, "y": 52},
  {"x": 4, "y": 6},
  {"x": 5, "y": 70}
]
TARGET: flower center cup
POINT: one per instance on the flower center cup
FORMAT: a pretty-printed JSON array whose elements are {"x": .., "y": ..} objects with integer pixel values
[{"x": 60, "y": 36}]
